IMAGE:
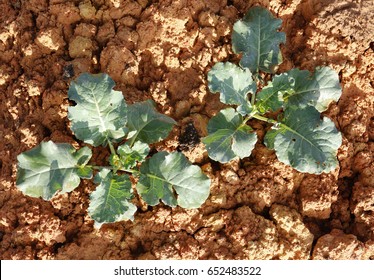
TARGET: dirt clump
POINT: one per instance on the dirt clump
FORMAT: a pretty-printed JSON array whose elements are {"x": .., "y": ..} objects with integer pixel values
[{"x": 337, "y": 246}]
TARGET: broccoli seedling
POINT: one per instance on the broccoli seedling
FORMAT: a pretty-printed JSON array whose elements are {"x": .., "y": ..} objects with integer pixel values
[
  {"x": 299, "y": 136},
  {"x": 102, "y": 117}
]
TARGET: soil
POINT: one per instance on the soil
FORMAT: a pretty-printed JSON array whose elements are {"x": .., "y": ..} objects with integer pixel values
[{"x": 258, "y": 208}]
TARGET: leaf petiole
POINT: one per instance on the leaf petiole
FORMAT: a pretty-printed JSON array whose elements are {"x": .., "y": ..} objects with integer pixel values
[
  {"x": 98, "y": 167},
  {"x": 251, "y": 115},
  {"x": 132, "y": 140},
  {"x": 262, "y": 118},
  {"x": 112, "y": 150},
  {"x": 253, "y": 99}
]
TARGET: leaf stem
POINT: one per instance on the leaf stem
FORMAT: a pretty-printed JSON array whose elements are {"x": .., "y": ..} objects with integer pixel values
[
  {"x": 132, "y": 171},
  {"x": 253, "y": 99},
  {"x": 262, "y": 118},
  {"x": 251, "y": 115},
  {"x": 247, "y": 119},
  {"x": 133, "y": 140},
  {"x": 112, "y": 150},
  {"x": 97, "y": 167}
]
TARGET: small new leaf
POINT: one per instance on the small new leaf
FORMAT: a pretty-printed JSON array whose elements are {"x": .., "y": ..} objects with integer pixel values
[
  {"x": 172, "y": 179},
  {"x": 100, "y": 112},
  {"x": 233, "y": 83},
  {"x": 270, "y": 98},
  {"x": 129, "y": 156},
  {"x": 228, "y": 137},
  {"x": 111, "y": 201},
  {"x": 306, "y": 142},
  {"x": 49, "y": 168},
  {"x": 146, "y": 124},
  {"x": 256, "y": 36}
]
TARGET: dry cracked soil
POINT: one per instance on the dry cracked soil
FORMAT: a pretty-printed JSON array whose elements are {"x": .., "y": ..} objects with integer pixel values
[{"x": 162, "y": 50}]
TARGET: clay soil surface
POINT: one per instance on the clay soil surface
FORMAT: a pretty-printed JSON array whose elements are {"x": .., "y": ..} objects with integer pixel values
[{"x": 162, "y": 50}]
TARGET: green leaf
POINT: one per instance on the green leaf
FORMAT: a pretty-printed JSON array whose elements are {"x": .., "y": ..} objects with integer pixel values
[
  {"x": 84, "y": 172},
  {"x": 100, "y": 112},
  {"x": 256, "y": 36},
  {"x": 233, "y": 83},
  {"x": 229, "y": 137},
  {"x": 318, "y": 89},
  {"x": 270, "y": 98},
  {"x": 110, "y": 202},
  {"x": 302, "y": 89},
  {"x": 129, "y": 156},
  {"x": 146, "y": 124},
  {"x": 50, "y": 167},
  {"x": 172, "y": 179},
  {"x": 306, "y": 142}
]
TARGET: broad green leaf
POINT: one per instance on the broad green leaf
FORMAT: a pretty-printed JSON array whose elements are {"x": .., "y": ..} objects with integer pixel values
[
  {"x": 50, "y": 167},
  {"x": 256, "y": 36},
  {"x": 129, "y": 156},
  {"x": 300, "y": 88},
  {"x": 306, "y": 142},
  {"x": 318, "y": 89},
  {"x": 233, "y": 83},
  {"x": 111, "y": 201},
  {"x": 229, "y": 137},
  {"x": 146, "y": 124},
  {"x": 172, "y": 179},
  {"x": 100, "y": 112}
]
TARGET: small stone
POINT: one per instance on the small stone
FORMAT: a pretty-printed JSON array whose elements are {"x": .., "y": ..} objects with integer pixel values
[
  {"x": 182, "y": 108},
  {"x": 81, "y": 47}
]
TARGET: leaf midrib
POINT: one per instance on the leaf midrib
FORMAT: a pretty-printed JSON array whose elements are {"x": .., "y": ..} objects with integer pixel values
[
  {"x": 237, "y": 94},
  {"x": 301, "y": 136},
  {"x": 98, "y": 109},
  {"x": 259, "y": 45},
  {"x": 231, "y": 135},
  {"x": 47, "y": 169}
]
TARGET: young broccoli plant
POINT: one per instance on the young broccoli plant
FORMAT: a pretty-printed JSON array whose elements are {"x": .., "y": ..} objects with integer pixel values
[
  {"x": 101, "y": 117},
  {"x": 299, "y": 136}
]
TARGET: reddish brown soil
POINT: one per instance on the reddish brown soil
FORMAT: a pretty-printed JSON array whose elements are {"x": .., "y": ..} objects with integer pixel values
[{"x": 258, "y": 208}]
